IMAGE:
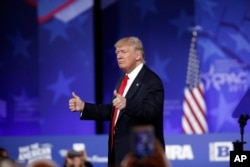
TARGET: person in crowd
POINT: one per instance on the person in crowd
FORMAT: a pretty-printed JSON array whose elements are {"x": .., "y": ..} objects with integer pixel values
[
  {"x": 156, "y": 159},
  {"x": 3, "y": 153},
  {"x": 7, "y": 162},
  {"x": 43, "y": 163},
  {"x": 77, "y": 159},
  {"x": 137, "y": 99}
]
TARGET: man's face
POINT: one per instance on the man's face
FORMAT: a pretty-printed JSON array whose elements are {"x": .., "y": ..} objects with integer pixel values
[{"x": 127, "y": 58}]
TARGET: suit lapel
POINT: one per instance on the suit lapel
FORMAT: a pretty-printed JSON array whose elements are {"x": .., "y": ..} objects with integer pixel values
[{"x": 134, "y": 87}]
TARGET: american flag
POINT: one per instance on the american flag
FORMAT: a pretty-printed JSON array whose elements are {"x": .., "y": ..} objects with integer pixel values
[{"x": 194, "y": 106}]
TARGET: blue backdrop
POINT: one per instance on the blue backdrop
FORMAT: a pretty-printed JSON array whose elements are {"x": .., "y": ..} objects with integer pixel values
[{"x": 47, "y": 51}]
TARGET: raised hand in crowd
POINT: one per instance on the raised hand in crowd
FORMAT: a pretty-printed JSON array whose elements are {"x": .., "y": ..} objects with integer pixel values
[{"x": 157, "y": 159}]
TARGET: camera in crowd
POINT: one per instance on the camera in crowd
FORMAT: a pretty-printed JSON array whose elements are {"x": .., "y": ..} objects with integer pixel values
[
  {"x": 77, "y": 150},
  {"x": 73, "y": 154}
]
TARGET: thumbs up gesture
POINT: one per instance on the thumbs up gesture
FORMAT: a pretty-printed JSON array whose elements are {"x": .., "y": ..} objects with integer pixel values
[
  {"x": 119, "y": 101},
  {"x": 75, "y": 103}
]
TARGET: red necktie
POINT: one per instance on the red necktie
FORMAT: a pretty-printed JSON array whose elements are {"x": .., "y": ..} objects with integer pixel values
[{"x": 120, "y": 91}]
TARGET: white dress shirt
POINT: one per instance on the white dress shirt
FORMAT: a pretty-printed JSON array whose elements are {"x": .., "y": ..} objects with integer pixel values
[{"x": 132, "y": 75}]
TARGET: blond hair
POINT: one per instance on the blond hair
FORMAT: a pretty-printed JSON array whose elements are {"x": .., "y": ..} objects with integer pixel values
[{"x": 134, "y": 42}]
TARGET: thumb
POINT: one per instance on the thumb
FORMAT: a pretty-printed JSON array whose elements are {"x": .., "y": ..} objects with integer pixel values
[
  {"x": 115, "y": 93},
  {"x": 74, "y": 95}
]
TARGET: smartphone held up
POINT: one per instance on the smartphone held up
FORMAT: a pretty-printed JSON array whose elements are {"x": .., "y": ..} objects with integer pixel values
[{"x": 142, "y": 141}]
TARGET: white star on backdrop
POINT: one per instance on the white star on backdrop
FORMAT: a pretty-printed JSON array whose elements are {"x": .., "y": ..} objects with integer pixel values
[
  {"x": 24, "y": 105},
  {"x": 211, "y": 50},
  {"x": 159, "y": 66},
  {"x": 57, "y": 29},
  {"x": 207, "y": 6},
  {"x": 146, "y": 6},
  {"x": 61, "y": 86},
  {"x": 183, "y": 22},
  {"x": 223, "y": 113},
  {"x": 20, "y": 45}
]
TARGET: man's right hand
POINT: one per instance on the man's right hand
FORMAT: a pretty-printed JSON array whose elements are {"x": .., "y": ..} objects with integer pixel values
[{"x": 75, "y": 103}]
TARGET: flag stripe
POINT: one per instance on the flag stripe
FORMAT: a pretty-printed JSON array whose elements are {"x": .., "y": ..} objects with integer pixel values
[
  {"x": 192, "y": 125},
  {"x": 197, "y": 111},
  {"x": 193, "y": 112},
  {"x": 186, "y": 125}
]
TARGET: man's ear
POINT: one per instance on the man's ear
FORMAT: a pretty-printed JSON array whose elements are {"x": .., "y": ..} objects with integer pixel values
[{"x": 138, "y": 55}]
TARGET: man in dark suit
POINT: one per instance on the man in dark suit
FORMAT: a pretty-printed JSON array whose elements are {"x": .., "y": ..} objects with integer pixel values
[{"x": 140, "y": 103}]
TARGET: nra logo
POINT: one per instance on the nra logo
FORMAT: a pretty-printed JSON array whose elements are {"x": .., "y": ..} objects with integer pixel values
[
  {"x": 179, "y": 152},
  {"x": 220, "y": 151}
]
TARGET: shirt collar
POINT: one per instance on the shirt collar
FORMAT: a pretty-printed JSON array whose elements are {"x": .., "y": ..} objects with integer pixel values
[{"x": 135, "y": 72}]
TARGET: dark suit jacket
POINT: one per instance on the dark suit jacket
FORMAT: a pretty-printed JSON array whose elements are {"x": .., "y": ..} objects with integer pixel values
[{"x": 144, "y": 105}]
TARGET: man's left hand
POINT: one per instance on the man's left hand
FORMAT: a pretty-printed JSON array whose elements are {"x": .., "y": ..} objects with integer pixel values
[{"x": 119, "y": 101}]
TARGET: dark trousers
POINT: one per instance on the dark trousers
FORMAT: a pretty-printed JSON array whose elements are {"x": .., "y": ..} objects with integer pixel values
[{"x": 111, "y": 159}]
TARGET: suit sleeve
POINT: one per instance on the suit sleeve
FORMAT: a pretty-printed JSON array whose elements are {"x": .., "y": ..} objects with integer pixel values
[{"x": 96, "y": 112}]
